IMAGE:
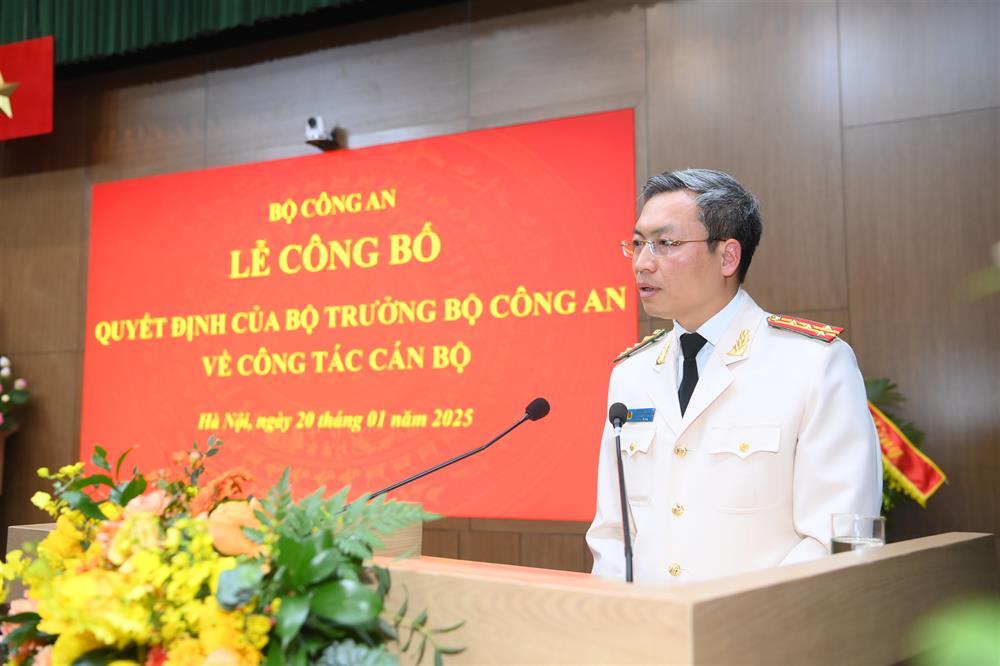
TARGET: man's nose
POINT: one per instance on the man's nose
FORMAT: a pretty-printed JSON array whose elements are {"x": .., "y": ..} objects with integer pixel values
[{"x": 643, "y": 259}]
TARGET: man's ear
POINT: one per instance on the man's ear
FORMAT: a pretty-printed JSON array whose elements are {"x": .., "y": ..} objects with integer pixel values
[{"x": 732, "y": 251}]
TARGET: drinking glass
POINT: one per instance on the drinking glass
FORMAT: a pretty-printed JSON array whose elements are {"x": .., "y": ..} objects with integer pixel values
[{"x": 854, "y": 531}]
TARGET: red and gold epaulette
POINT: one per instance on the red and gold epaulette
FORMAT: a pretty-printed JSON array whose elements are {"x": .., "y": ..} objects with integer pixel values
[
  {"x": 642, "y": 344},
  {"x": 812, "y": 329}
]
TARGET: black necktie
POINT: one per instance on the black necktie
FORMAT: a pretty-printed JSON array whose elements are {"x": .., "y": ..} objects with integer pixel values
[{"x": 691, "y": 344}]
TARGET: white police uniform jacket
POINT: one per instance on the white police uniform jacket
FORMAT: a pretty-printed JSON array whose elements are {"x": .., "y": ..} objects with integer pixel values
[{"x": 776, "y": 438}]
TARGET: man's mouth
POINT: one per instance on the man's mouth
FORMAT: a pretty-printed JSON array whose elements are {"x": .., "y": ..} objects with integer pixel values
[{"x": 647, "y": 290}]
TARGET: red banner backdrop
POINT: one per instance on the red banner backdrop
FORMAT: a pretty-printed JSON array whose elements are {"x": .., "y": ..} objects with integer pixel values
[
  {"x": 26, "y": 71},
  {"x": 361, "y": 315}
]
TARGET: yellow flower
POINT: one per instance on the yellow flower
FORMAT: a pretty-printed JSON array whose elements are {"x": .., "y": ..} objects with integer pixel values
[
  {"x": 257, "y": 629},
  {"x": 104, "y": 605},
  {"x": 44, "y": 472},
  {"x": 14, "y": 566},
  {"x": 44, "y": 502},
  {"x": 64, "y": 542},
  {"x": 71, "y": 645},
  {"x": 70, "y": 471},
  {"x": 185, "y": 652}
]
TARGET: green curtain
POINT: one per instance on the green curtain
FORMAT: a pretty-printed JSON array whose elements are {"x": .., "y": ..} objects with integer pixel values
[{"x": 88, "y": 29}]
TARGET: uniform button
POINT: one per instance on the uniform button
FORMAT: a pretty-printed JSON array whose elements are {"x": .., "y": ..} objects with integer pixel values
[
  {"x": 680, "y": 451},
  {"x": 674, "y": 569},
  {"x": 631, "y": 447},
  {"x": 744, "y": 447},
  {"x": 677, "y": 510}
]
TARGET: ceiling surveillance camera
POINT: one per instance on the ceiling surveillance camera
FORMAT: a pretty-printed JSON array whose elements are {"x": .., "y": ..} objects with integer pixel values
[{"x": 317, "y": 134}]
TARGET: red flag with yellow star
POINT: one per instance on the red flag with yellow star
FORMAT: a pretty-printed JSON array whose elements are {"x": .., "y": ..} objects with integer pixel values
[{"x": 26, "y": 70}]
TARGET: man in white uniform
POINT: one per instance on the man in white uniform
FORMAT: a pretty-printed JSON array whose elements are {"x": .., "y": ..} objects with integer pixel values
[{"x": 746, "y": 430}]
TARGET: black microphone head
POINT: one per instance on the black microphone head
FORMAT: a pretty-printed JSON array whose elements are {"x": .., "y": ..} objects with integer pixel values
[
  {"x": 618, "y": 414},
  {"x": 537, "y": 409}
]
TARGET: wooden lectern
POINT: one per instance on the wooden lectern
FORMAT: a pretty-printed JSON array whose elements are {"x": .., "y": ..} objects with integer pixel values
[{"x": 852, "y": 608}]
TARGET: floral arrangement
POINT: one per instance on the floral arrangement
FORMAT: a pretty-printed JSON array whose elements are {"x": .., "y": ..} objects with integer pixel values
[
  {"x": 170, "y": 569},
  {"x": 13, "y": 392}
]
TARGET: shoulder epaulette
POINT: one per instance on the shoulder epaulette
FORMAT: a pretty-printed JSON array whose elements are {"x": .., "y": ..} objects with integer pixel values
[
  {"x": 642, "y": 344},
  {"x": 812, "y": 329}
]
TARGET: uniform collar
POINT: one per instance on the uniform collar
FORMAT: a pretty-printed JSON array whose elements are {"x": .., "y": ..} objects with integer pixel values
[{"x": 713, "y": 329}]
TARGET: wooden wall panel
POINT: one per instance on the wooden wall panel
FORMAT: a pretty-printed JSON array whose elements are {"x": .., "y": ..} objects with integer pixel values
[
  {"x": 65, "y": 148},
  {"x": 147, "y": 121},
  {"x": 42, "y": 261},
  {"x": 48, "y": 438},
  {"x": 404, "y": 76},
  {"x": 589, "y": 50},
  {"x": 921, "y": 215},
  {"x": 498, "y": 547},
  {"x": 751, "y": 89},
  {"x": 909, "y": 59}
]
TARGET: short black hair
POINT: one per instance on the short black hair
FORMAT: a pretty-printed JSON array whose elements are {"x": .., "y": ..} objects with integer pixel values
[{"x": 725, "y": 207}]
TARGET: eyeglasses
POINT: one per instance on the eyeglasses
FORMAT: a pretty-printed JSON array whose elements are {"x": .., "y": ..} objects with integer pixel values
[{"x": 661, "y": 247}]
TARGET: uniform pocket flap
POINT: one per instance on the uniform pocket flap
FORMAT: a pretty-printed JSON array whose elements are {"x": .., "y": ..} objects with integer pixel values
[
  {"x": 637, "y": 439},
  {"x": 744, "y": 441}
]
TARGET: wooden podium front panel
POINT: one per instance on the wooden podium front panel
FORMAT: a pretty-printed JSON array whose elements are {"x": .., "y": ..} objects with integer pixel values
[
  {"x": 520, "y": 615},
  {"x": 852, "y": 608}
]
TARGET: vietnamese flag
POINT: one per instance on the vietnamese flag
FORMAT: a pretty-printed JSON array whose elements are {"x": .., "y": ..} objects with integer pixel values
[{"x": 26, "y": 88}]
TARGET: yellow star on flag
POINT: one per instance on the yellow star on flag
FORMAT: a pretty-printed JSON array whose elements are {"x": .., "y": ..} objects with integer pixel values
[{"x": 6, "y": 90}]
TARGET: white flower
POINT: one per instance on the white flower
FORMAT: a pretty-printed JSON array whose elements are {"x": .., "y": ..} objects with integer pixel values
[
  {"x": 4, "y": 362},
  {"x": 4, "y": 398},
  {"x": 5, "y": 372},
  {"x": 20, "y": 384}
]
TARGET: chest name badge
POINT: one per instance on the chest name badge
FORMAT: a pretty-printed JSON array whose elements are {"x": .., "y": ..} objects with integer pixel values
[{"x": 641, "y": 415}]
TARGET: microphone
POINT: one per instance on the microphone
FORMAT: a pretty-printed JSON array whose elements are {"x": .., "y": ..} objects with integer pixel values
[
  {"x": 618, "y": 415},
  {"x": 536, "y": 409}
]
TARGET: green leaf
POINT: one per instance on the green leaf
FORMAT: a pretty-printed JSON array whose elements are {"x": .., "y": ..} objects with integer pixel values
[
  {"x": 291, "y": 615},
  {"x": 82, "y": 502},
  {"x": 438, "y": 659},
  {"x": 421, "y": 620},
  {"x": 444, "y": 649},
  {"x": 298, "y": 657},
  {"x": 387, "y": 629},
  {"x": 121, "y": 459},
  {"x": 103, "y": 656},
  {"x": 125, "y": 492},
  {"x": 423, "y": 648},
  {"x": 347, "y": 602},
  {"x": 349, "y": 653},
  {"x": 238, "y": 586},
  {"x": 22, "y": 634},
  {"x": 445, "y": 630},
  {"x": 100, "y": 458},
  {"x": 322, "y": 565},
  {"x": 401, "y": 613},
  {"x": 87, "y": 481},
  {"x": 275, "y": 657},
  {"x": 20, "y": 618},
  {"x": 296, "y": 556},
  {"x": 384, "y": 581}
]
